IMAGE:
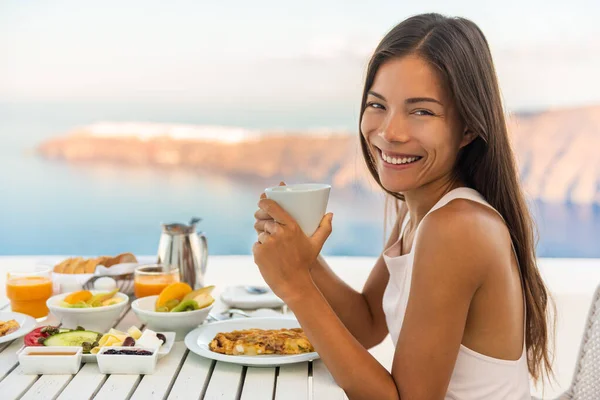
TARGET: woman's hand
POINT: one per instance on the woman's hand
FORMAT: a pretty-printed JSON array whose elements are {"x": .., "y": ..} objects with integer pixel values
[
  {"x": 261, "y": 216},
  {"x": 283, "y": 252}
]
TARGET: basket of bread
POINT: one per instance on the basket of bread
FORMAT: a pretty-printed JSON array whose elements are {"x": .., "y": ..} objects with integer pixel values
[{"x": 76, "y": 273}]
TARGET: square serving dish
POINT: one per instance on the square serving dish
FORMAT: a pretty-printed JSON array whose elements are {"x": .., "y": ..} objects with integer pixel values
[
  {"x": 45, "y": 362},
  {"x": 126, "y": 363}
]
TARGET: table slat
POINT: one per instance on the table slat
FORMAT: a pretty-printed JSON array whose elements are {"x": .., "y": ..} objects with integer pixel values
[
  {"x": 156, "y": 386},
  {"x": 224, "y": 382},
  {"x": 191, "y": 380},
  {"x": 324, "y": 387},
  {"x": 84, "y": 384},
  {"x": 259, "y": 383},
  {"x": 47, "y": 387},
  {"x": 8, "y": 357},
  {"x": 292, "y": 382},
  {"x": 16, "y": 384},
  {"x": 118, "y": 387}
]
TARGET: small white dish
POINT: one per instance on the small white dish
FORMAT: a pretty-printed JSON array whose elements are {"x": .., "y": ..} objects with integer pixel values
[
  {"x": 98, "y": 319},
  {"x": 50, "y": 364},
  {"x": 162, "y": 351},
  {"x": 26, "y": 323},
  {"x": 179, "y": 322},
  {"x": 199, "y": 339},
  {"x": 238, "y": 297},
  {"x": 125, "y": 363}
]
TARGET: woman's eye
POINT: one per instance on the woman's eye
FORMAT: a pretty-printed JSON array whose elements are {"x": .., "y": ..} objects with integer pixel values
[
  {"x": 375, "y": 105},
  {"x": 423, "y": 112}
]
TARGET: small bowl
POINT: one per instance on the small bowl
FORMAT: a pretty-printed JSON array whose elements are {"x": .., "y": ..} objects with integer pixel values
[
  {"x": 98, "y": 319},
  {"x": 126, "y": 364},
  {"x": 179, "y": 322},
  {"x": 50, "y": 364}
]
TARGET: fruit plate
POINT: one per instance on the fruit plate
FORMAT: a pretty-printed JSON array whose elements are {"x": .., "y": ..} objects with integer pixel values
[
  {"x": 199, "y": 339},
  {"x": 163, "y": 351}
]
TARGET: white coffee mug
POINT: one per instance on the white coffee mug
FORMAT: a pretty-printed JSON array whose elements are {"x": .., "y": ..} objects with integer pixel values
[{"x": 305, "y": 202}]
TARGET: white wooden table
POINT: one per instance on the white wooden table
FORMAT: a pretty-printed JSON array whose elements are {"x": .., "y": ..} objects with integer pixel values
[{"x": 180, "y": 375}]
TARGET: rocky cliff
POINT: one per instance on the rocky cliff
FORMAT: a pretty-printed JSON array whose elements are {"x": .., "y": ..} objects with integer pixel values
[{"x": 557, "y": 152}]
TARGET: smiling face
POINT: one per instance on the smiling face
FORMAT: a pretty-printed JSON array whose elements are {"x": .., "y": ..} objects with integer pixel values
[{"x": 411, "y": 126}]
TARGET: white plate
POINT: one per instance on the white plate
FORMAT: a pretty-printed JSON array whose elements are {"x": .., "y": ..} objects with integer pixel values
[
  {"x": 163, "y": 351},
  {"x": 238, "y": 297},
  {"x": 198, "y": 340},
  {"x": 26, "y": 322}
]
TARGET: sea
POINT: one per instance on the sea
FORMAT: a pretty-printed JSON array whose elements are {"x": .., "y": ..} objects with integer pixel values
[{"x": 57, "y": 208}]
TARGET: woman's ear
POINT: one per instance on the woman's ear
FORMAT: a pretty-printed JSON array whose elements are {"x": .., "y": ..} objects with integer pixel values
[{"x": 468, "y": 137}]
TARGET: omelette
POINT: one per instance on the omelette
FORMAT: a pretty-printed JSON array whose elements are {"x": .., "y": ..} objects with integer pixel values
[
  {"x": 7, "y": 327},
  {"x": 252, "y": 342}
]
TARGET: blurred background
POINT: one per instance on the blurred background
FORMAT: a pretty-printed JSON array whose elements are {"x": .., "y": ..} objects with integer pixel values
[{"x": 116, "y": 117}]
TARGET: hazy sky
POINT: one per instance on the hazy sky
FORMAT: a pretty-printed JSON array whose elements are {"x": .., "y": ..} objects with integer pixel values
[{"x": 238, "y": 51}]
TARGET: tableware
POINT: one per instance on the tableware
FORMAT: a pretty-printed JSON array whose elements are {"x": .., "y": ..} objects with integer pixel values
[
  {"x": 238, "y": 297},
  {"x": 163, "y": 350},
  {"x": 305, "y": 202},
  {"x": 98, "y": 319},
  {"x": 179, "y": 322},
  {"x": 151, "y": 279},
  {"x": 26, "y": 323},
  {"x": 126, "y": 364},
  {"x": 56, "y": 360},
  {"x": 257, "y": 289},
  {"x": 29, "y": 290},
  {"x": 232, "y": 313},
  {"x": 181, "y": 246},
  {"x": 199, "y": 339}
]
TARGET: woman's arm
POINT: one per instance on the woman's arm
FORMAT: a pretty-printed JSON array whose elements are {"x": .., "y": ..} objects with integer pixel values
[
  {"x": 361, "y": 313},
  {"x": 449, "y": 265}
]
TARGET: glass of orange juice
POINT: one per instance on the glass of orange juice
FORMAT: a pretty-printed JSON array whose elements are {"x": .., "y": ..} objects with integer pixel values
[
  {"x": 28, "y": 291},
  {"x": 150, "y": 280}
]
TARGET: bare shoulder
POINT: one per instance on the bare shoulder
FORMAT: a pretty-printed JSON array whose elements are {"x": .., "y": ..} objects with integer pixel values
[{"x": 470, "y": 235}]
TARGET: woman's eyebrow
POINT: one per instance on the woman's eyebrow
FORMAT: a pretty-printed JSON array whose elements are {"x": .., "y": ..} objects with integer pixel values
[
  {"x": 410, "y": 100},
  {"x": 372, "y": 93},
  {"x": 413, "y": 100}
]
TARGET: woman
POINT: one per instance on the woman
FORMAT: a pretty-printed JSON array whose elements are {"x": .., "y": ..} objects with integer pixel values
[{"x": 457, "y": 287}]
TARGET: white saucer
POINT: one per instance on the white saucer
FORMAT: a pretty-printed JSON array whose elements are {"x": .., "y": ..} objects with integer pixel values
[
  {"x": 26, "y": 323},
  {"x": 238, "y": 297}
]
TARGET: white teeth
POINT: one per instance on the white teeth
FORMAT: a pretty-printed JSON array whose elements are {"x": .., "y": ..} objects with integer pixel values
[{"x": 394, "y": 160}]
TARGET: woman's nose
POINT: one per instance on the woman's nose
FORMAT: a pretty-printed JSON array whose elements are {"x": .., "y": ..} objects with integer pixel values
[{"x": 394, "y": 130}]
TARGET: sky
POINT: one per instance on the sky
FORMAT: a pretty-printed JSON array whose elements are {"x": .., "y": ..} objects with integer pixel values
[{"x": 239, "y": 52}]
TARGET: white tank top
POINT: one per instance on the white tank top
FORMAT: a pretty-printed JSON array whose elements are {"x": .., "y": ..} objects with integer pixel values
[{"x": 475, "y": 376}]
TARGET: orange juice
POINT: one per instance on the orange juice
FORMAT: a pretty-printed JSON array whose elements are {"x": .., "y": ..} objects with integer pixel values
[
  {"x": 28, "y": 294},
  {"x": 150, "y": 285}
]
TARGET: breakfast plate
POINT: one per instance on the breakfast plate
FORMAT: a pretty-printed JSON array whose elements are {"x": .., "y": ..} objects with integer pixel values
[
  {"x": 199, "y": 339},
  {"x": 164, "y": 350},
  {"x": 26, "y": 325}
]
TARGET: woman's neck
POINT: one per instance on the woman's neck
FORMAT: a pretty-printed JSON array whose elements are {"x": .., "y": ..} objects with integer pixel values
[{"x": 422, "y": 199}]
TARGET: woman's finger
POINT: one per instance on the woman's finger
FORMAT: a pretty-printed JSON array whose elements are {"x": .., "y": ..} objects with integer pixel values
[
  {"x": 263, "y": 237},
  {"x": 259, "y": 226},
  {"x": 271, "y": 227},
  {"x": 261, "y": 214},
  {"x": 276, "y": 212}
]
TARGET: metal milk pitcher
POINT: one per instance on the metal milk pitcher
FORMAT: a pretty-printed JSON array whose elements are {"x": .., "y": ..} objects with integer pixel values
[{"x": 182, "y": 247}]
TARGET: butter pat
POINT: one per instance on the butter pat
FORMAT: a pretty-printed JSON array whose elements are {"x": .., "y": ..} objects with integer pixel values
[{"x": 149, "y": 340}]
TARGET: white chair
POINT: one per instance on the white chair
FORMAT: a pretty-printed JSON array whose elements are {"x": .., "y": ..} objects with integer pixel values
[{"x": 586, "y": 379}]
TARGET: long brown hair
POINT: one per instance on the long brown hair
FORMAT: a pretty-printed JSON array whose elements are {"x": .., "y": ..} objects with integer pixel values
[{"x": 459, "y": 51}]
